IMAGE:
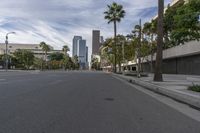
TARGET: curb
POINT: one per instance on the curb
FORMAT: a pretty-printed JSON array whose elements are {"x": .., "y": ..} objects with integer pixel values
[{"x": 178, "y": 96}]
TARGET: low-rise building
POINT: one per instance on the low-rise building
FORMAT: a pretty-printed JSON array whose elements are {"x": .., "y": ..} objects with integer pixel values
[{"x": 35, "y": 48}]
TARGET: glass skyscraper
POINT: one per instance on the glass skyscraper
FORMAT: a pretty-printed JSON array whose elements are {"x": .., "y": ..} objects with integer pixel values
[
  {"x": 81, "y": 50},
  {"x": 75, "y": 45}
]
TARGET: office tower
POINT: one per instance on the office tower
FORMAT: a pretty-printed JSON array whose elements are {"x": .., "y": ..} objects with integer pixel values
[
  {"x": 81, "y": 50},
  {"x": 75, "y": 45},
  {"x": 82, "y": 53},
  {"x": 95, "y": 41}
]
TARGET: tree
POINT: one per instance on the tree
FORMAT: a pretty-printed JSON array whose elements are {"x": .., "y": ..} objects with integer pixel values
[
  {"x": 46, "y": 48},
  {"x": 137, "y": 32},
  {"x": 120, "y": 50},
  {"x": 106, "y": 53},
  {"x": 37, "y": 63},
  {"x": 186, "y": 23},
  {"x": 159, "y": 55},
  {"x": 66, "y": 57},
  {"x": 169, "y": 24},
  {"x": 65, "y": 49},
  {"x": 56, "y": 56},
  {"x": 114, "y": 14},
  {"x": 130, "y": 47},
  {"x": 75, "y": 62},
  {"x": 12, "y": 61},
  {"x": 55, "y": 64},
  {"x": 2, "y": 60},
  {"x": 149, "y": 47},
  {"x": 95, "y": 64},
  {"x": 25, "y": 58}
]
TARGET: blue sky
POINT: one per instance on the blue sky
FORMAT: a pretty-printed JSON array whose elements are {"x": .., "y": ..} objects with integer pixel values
[{"x": 57, "y": 21}]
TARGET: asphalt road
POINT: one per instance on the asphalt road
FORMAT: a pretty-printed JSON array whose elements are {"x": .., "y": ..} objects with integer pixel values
[{"x": 82, "y": 102}]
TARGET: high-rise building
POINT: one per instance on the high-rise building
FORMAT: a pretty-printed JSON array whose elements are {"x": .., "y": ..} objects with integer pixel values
[
  {"x": 81, "y": 50},
  {"x": 75, "y": 45},
  {"x": 95, "y": 41}
]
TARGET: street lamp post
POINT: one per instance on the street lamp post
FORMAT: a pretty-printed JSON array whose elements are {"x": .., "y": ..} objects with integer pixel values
[{"x": 6, "y": 42}]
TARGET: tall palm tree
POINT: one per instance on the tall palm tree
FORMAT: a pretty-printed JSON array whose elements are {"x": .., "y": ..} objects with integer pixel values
[
  {"x": 46, "y": 48},
  {"x": 114, "y": 14},
  {"x": 149, "y": 30},
  {"x": 65, "y": 49},
  {"x": 137, "y": 32},
  {"x": 159, "y": 55}
]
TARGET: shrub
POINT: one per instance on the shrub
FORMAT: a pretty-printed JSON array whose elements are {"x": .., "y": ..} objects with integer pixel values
[{"x": 195, "y": 88}]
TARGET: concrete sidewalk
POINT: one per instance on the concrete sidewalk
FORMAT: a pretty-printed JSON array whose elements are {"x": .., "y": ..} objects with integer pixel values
[{"x": 174, "y": 86}]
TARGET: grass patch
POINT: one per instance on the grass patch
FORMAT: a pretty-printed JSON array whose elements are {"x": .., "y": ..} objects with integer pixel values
[{"x": 195, "y": 88}]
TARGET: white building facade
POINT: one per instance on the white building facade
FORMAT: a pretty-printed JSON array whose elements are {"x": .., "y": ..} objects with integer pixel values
[{"x": 35, "y": 48}]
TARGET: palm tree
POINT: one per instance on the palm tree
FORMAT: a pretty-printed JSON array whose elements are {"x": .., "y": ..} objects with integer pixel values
[
  {"x": 65, "y": 49},
  {"x": 105, "y": 52},
  {"x": 75, "y": 62},
  {"x": 114, "y": 14},
  {"x": 137, "y": 33},
  {"x": 149, "y": 30},
  {"x": 120, "y": 48},
  {"x": 46, "y": 48},
  {"x": 159, "y": 56}
]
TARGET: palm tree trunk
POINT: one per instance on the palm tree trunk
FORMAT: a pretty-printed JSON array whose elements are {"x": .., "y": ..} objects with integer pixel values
[
  {"x": 159, "y": 55},
  {"x": 115, "y": 44},
  {"x": 152, "y": 53}
]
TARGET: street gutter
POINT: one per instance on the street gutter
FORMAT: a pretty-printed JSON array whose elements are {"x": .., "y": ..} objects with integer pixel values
[{"x": 179, "y": 96}]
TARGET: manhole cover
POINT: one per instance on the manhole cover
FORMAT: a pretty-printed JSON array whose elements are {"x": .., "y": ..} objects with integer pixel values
[{"x": 109, "y": 99}]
